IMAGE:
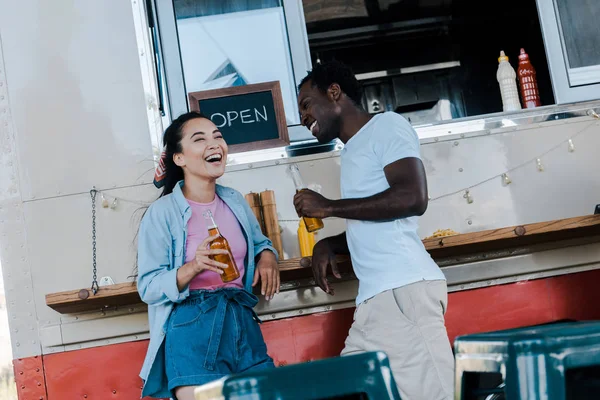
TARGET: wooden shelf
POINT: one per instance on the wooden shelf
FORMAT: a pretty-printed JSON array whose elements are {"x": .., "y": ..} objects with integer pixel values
[
  {"x": 84, "y": 300},
  {"x": 514, "y": 236},
  {"x": 123, "y": 294}
]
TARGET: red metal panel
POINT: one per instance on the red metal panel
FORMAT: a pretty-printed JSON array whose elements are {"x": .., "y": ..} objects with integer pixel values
[
  {"x": 99, "y": 373},
  {"x": 307, "y": 338},
  {"x": 111, "y": 372},
  {"x": 279, "y": 336},
  {"x": 576, "y": 296},
  {"x": 572, "y": 296},
  {"x": 498, "y": 307},
  {"x": 322, "y": 336},
  {"x": 29, "y": 377}
]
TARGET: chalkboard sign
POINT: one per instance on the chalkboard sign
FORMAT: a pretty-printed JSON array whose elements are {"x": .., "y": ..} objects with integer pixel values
[{"x": 250, "y": 117}]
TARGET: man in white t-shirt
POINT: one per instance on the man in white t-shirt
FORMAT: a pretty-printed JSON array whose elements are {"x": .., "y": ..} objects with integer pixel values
[{"x": 402, "y": 293}]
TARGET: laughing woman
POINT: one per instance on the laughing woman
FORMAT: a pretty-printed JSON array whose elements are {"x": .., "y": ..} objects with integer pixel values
[{"x": 201, "y": 329}]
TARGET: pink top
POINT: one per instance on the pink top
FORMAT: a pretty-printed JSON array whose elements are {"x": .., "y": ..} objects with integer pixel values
[{"x": 198, "y": 231}]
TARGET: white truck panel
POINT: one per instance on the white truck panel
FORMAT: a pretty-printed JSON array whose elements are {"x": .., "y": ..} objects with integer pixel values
[
  {"x": 76, "y": 95},
  {"x": 74, "y": 114}
]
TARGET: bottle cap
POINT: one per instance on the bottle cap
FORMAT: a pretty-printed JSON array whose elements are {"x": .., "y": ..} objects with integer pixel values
[
  {"x": 523, "y": 56},
  {"x": 503, "y": 57},
  {"x": 210, "y": 221}
]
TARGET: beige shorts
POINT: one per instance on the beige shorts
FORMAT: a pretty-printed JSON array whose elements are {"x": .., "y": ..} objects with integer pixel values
[{"x": 407, "y": 324}]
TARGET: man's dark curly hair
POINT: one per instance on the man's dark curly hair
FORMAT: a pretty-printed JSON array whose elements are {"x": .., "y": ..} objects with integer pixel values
[{"x": 323, "y": 75}]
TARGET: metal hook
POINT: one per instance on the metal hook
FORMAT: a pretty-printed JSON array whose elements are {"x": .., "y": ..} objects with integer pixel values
[{"x": 95, "y": 287}]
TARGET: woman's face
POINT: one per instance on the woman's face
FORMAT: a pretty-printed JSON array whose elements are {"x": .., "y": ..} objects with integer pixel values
[{"x": 204, "y": 151}]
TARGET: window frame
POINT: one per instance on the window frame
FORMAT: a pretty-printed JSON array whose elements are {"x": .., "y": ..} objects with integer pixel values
[
  {"x": 173, "y": 66},
  {"x": 175, "y": 95},
  {"x": 570, "y": 85}
]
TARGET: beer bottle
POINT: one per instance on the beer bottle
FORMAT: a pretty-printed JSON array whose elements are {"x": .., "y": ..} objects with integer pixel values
[
  {"x": 306, "y": 240},
  {"x": 312, "y": 224},
  {"x": 230, "y": 273}
]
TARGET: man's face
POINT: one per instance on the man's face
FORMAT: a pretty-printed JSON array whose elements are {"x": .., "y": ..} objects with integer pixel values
[{"x": 320, "y": 112}]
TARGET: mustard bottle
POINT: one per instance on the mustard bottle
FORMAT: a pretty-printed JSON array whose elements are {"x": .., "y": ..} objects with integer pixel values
[{"x": 306, "y": 240}]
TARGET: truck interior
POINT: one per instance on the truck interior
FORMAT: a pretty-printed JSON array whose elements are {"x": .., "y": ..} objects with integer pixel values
[{"x": 430, "y": 60}]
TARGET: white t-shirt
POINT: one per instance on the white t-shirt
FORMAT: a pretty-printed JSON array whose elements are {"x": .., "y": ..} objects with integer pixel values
[{"x": 385, "y": 254}]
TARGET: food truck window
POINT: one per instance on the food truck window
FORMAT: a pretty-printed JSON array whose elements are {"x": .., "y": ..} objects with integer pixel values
[
  {"x": 430, "y": 60},
  {"x": 214, "y": 44}
]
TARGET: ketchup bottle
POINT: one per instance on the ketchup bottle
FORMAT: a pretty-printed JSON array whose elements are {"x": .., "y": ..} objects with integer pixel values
[{"x": 530, "y": 93}]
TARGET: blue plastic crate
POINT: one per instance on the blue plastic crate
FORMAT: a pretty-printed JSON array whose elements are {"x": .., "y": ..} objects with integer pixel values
[
  {"x": 363, "y": 376},
  {"x": 533, "y": 361}
]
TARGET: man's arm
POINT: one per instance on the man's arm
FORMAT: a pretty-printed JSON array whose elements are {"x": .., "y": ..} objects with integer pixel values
[
  {"x": 406, "y": 197},
  {"x": 338, "y": 244}
]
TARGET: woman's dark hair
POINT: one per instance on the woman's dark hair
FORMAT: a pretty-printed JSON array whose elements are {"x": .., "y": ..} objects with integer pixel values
[
  {"x": 173, "y": 172},
  {"x": 172, "y": 145}
]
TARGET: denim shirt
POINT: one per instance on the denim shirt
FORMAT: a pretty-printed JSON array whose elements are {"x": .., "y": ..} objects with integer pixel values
[{"x": 161, "y": 252}]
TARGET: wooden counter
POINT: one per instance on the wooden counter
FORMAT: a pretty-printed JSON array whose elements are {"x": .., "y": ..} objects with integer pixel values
[{"x": 451, "y": 246}]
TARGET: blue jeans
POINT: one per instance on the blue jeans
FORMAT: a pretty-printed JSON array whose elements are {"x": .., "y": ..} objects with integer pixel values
[{"x": 212, "y": 334}]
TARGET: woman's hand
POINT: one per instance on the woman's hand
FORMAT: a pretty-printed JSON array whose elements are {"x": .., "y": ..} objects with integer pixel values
[
  {"x": 204, "y": 262},
  {"x": 267, "y": 270}
]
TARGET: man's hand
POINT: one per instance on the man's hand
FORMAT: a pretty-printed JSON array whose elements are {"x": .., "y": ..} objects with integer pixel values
[
  {"x": 267, "y": 270},
  {"x": 323, "y": 257},
  {"x": 312, "y": 204}
]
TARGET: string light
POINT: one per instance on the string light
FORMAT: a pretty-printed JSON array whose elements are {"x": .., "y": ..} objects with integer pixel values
[
  {"x": 540, "y": 166},
  {"x": 538, "y": 160},
  {"x": 466, "y": 192},
  {"x": 104, "y": 201},
  {"x": 468, "y": 196},
  {"x": 112, "y": 202}
]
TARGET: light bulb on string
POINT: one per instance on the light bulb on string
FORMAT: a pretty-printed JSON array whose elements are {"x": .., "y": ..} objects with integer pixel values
[
  {"x": 540, "y": 166},
  {"x": 104, "y": 201},
  {"x": 114, "y": 204},
  {"x": 571, "y": 146},
  {"x": 505, "y": 179},
  {"x": 593, "y": 114},
  {"x": 468, "y": 196}
]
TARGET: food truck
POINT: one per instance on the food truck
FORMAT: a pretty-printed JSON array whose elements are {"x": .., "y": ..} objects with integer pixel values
[{"x": 87, "y": 88}]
